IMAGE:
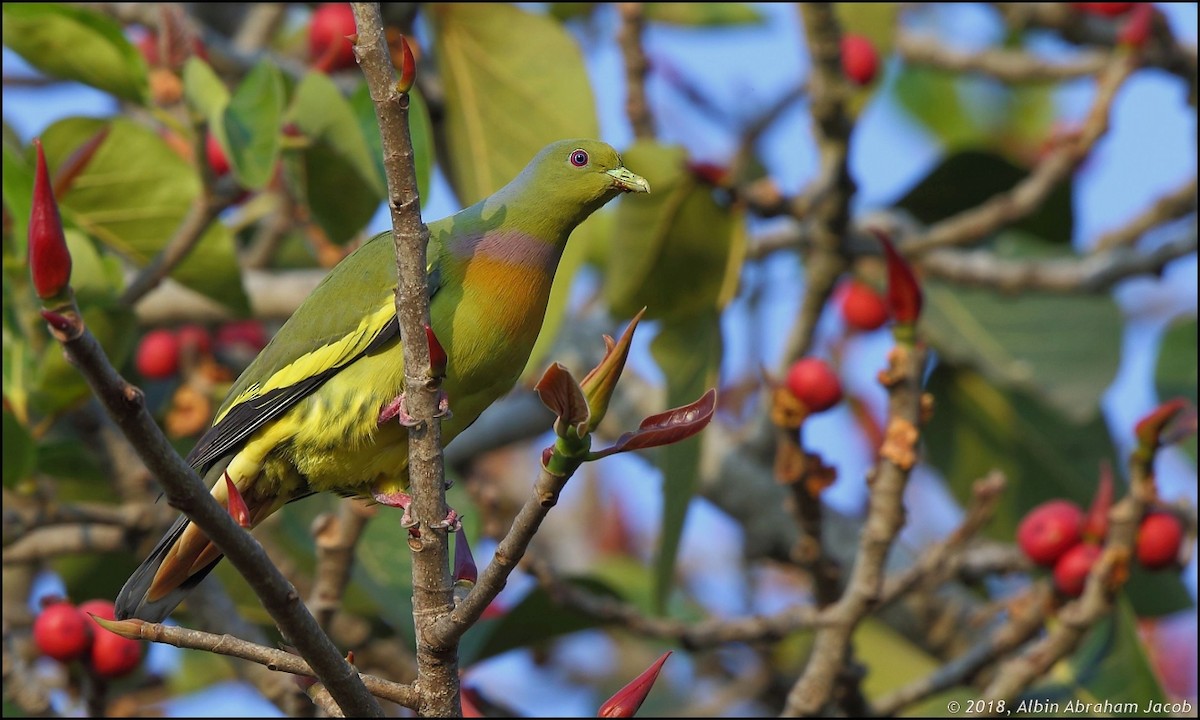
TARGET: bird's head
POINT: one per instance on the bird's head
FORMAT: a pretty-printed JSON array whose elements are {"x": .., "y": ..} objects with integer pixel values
[{"x": 586, "y": 173}]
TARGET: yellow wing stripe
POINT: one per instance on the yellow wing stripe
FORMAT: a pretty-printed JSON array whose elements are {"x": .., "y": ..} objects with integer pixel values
[{"x": 323, "y": 358}]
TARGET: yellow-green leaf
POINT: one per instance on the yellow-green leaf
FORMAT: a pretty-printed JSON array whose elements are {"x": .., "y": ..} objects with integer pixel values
[
  {"x": 515, "y": 82},
  {"x": 75, "y": 43},
  {"x": 133, "y": 195},
  {"x": 677, "y": 251}
]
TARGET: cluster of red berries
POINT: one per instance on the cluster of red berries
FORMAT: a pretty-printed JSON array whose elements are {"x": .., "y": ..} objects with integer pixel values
[
  {"x": 1057, "y": 534},
  {"x": 159, "y": 352},
  {"x": 66, "y": 633}
]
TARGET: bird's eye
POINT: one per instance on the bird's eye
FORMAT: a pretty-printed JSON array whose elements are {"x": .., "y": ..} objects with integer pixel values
[{"x": 579, "y": 158}]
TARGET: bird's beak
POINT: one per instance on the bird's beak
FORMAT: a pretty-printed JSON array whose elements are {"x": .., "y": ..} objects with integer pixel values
[{"x": 627, "y": 181}]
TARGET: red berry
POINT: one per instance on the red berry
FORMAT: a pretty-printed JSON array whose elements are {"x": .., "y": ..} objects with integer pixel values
[
  {"x": 242, "y": 332},
  {"x": 817, "y": 386},
  {"x": 1071, "y": 570},
  {"x": 1104, "y": 9},
  {"x": 1158, "y": 540},
  {"x": 1050, "y": 530},
  {"x": 862, "y": 307},
  {"x": 158, "y": 355},
  {"x": 216, "y": 156},
  {"x": 328, "y": 47},
  {"x": 112, "y": 656},
  {"x": 194, "y": 338},
  {"x": 62, "y": 632},
  {"x": 860, "y": 62},
  {"x": 100, "y": 608}
]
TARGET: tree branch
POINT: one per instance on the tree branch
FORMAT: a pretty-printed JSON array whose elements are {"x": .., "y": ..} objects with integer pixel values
[
  {"x": 125, "y": 404},
  {"x": 437, "y": 654}
]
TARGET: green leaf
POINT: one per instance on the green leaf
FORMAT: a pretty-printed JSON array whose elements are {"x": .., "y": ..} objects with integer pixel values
[
  {"x": 420, "y": 129},
  {"x": 1176, "y": 372},
  {"x": 249, "y": 131},
  {"x": 133, "y": 196},
  {"x": 931, "y": 97},
  {"x": 977, "y": 426},
  {"x": 703, "y": 14},
  {"x": 335, "y": 173},
  {"x": 966, "y": 179},
  {"x": 76, "y": 44},
  {"x": 515, "y": 82},
  {"x": 676, "y": 251},
  {"x": 688, "y": 350},
  {"x": 20, "y": 451},
  {"x": 1066, "y": 348},
  {"x": 874, "y": 21},
  {"x": 17, "y": 191},
  {"x": 203, "y": 92},
  {"x": 1156, "y": 593}
]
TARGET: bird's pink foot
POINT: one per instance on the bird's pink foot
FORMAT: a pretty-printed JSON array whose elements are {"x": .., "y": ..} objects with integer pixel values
[
  {"x": 400, "y": 500},
  {"x": 397, "y": 409},
  {"x": 443, "y": 405},
  {"x": 452, "y": 521}
]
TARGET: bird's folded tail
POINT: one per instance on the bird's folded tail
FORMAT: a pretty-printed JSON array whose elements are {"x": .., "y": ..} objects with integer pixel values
[{"x": 180, "y": 560}]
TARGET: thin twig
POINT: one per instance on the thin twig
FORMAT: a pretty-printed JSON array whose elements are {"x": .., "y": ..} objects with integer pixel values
[
  {"x": 694, "y": 635},
  {"x": 1171, "y": 206},
  {"x": 271, "y": 658},
  {"x": 1010, "y": 66},
  {"x": 1026, "y": 619},
  {"x": 629, "y": 37},
  {"x": 885, "y": 517},
  {"x": 336, "y": 537},
  {"x": 1091, "y": 274},
  {"x": 976, "y": 223},
  {"x": 509, "y": 552}
]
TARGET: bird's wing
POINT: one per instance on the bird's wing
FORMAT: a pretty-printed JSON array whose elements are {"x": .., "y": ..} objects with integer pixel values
[{"x": 349, "y": 314}]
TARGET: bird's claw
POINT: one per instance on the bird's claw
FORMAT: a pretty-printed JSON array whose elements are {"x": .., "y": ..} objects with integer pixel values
[
  {"x": 397, "y": 409},
  {"x": 443, "y": 405},
  {"x": 452, "y": 522}
]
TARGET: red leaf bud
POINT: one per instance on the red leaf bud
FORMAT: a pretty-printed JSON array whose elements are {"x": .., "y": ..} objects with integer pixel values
[{"x": 49, "y": 259}]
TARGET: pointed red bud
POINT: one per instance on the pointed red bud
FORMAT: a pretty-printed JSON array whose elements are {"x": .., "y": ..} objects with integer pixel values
[
  {"x": 1150, "y": 430},
  {"x": 1095, "y": 525},
  {"x": 350, "y": 657},
  {"x": 1136, "y": 30},
  {"x": 547, "y": 453},
  {"x": 408, "y": 67},
  {"x": 438, "y": 360},
  {"x": 626, "y": 701},
  {"x": 237, "y": 504},
  {"x": 904, "y": 292},
  {"x": 464, "y": 562},
  {"x": 49, "y": 259},
  {"x": 59, "y": 322},
  {"x": 598, "y": 385}
]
